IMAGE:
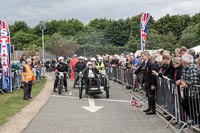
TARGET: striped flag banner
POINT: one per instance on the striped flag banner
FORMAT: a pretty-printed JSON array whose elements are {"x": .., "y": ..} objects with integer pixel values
[
  {"x": 5, "y": 49},
  {"x": 144, "y": 22}
]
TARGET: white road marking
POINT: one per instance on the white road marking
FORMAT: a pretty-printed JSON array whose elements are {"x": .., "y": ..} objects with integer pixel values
[
  {"x": 92, "y": 108},
  {"x": 108, "y": 100},
  {"x": 70, "y": 93}
]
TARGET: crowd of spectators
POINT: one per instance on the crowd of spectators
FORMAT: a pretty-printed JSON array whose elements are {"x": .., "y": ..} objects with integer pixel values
[{"x": 182, "y": 67}]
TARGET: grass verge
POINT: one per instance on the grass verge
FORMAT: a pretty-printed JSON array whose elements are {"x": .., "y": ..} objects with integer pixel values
[{"x": 12, "y": 103}]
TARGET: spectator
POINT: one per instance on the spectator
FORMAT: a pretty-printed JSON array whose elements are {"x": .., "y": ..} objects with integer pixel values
[
  {"x": 177, "y": 52},
  {"x": 27, "y": 78},
  {"x": 189, "y": 77},
  {"x": 129, "y": 62},
  {"x": 167, "y": 67},
  {"x": 23, "y": 60},
  {"x": 150, "y": 80},
  {"x": 135, "y": 62},
  {"x": 159, "y": 63},
  {"x": 191, "y": 52},
  {"x": 183, "y": 50}
]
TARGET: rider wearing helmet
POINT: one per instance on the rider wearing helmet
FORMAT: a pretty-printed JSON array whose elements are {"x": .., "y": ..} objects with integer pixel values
[
  {"x": 90, "y": 72},
  {"x": 101, "y": 64},
  {"x": 93, "y": 61},
  {"x": 61, "y": 67},
  {"x": 79, "y": 67}
]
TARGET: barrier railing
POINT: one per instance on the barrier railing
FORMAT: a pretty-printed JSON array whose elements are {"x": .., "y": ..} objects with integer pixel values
[
  {"x": 17, "y": 79},
  {"x": 181, "y": 105}
]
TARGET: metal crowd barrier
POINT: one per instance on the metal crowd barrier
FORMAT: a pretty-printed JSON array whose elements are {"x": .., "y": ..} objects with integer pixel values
[
  {"x": 16, "y": 79},
  {"x": 181, "y": 105}
]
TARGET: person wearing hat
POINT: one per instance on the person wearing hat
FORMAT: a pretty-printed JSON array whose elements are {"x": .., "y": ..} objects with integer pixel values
[
  {"x": 79, "y": 67},
  {"x": 73, "y": 62}
]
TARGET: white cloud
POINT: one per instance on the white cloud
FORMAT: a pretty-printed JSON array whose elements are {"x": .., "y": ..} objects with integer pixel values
[{"x": 85, "y": 10}]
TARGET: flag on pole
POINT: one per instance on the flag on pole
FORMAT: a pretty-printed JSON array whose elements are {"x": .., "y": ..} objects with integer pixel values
[
  {"x": 5, "y": 52},
  {"x": 144, "y": 22}
]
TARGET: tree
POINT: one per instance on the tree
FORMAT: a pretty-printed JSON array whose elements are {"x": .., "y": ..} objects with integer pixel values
[
  {"x": 70, "y": 27},
  {"x": 99, "y": 24},
  {"x": 175, "y": 24},
  {"x": 156, "y": 41},
  {"x": 191, "y": 36},
  {"x": 24, "y": 38},
  {"x": 133, "y": 44},
  {"x": 59, "y": 45},
  {"x": 117, "y": 32},
  {"x": 19, "y": 26}
]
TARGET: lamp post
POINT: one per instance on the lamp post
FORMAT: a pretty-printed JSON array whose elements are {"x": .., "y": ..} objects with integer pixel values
[{"x": 42, "y": 27}]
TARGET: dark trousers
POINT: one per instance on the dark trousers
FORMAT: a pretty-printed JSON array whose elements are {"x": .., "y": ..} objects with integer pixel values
[
  {"x": 191, "y": 107},
  {"x": 64, "y": 80},
  {"x": 27, "y": 89},
  {"x": 76, "y": 78},
  {"x": 151, "y": 98}
]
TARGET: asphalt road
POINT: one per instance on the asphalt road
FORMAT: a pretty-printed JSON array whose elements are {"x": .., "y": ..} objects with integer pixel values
[{"x": 67, "y": 113}]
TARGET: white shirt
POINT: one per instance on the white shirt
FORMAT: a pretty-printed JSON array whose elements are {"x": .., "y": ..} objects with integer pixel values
[{"x": 91, "y": 74}]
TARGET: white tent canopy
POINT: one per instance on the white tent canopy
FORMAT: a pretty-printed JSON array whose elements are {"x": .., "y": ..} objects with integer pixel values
[{"x": 196, "y": 49}]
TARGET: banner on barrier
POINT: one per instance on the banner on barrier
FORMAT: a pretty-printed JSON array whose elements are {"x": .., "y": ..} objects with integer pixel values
[
  {"x": 144, "y": 28},
  {"x": 5, "y": 49}
]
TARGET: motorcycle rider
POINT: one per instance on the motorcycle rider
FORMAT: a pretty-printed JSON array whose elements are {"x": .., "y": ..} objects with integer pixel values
[
  {"x": 79, "y": 67},
  {"x": 90, "y": 73},
  {"x": 101, "y": 66},
  {"x": 61, "y": 66}
]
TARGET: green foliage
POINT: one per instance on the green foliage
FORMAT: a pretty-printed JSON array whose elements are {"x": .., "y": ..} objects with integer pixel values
[
  {"x": 191, "y": 36},
  {"x": 103, "y": 35},
  {"x": 23, "y": 38},
  {"x": 11, "y": 103},
  {"x": 175, "y": 24},
  {"x": 59, "y": 45},
  {"x": 70, "y": 27},
  {"x": 133, "y": 43},
  {"x": 18, "y": 26},
  {"x": 157, "y": 41},
  {"x": 99, "y": 24},
  {"x": 117, "y": 32}
]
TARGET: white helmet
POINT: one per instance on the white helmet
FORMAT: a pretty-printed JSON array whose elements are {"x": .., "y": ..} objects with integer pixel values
[
  {"x": 86, "y": 59},
  {"x": 61, "y": 58},
  {"x": 89, "y": 63},
  {"x": 80, "y": 57},
  {"x": 93, "y": 59},
  {"x": 100, "y": 58}
]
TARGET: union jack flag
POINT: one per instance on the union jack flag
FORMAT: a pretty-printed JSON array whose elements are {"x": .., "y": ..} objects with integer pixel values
[
  {"x": 135, "y": 103},
  {"x": 144, "y": 22}
]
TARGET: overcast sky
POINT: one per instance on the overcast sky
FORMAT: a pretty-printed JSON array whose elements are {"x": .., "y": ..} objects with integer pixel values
[{"x": 33, "y": 11}]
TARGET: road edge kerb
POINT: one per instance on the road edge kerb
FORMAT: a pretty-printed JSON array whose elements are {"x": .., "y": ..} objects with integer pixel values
[{"x": 19, "y": 121}]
